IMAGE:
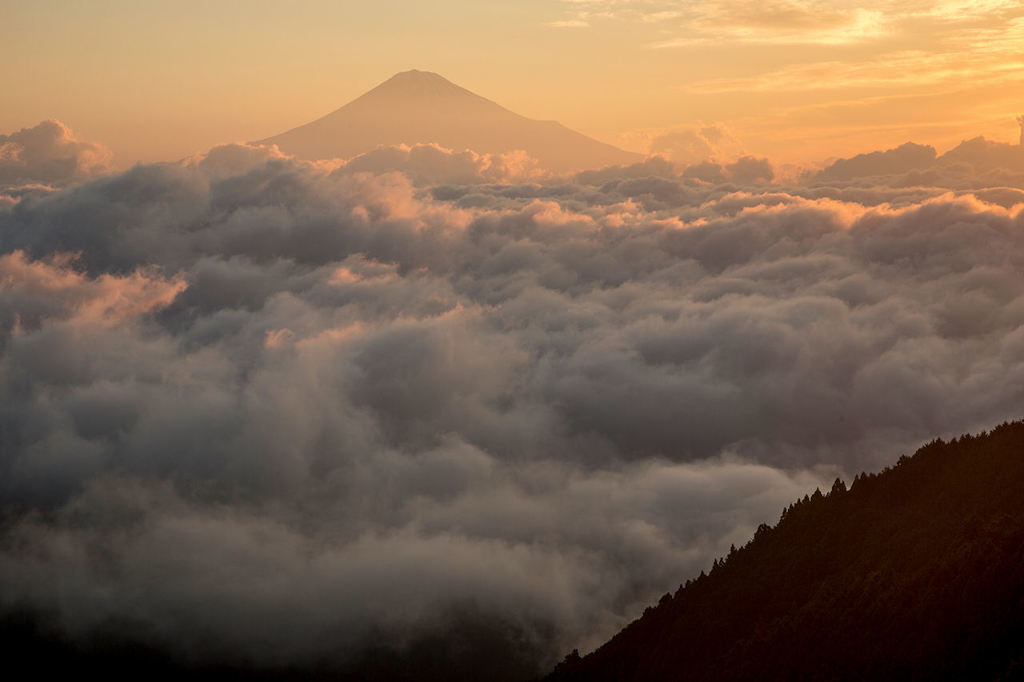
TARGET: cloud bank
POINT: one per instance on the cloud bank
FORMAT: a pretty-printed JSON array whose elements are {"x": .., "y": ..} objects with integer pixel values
[
  {"x": 273, "y": 414},
  {"x": 48, "y": 154},
  {"x": 973, "y": 164}
]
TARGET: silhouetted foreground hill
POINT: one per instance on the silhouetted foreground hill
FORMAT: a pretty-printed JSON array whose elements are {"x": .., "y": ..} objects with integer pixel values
[{"x": 916, "y": 573}]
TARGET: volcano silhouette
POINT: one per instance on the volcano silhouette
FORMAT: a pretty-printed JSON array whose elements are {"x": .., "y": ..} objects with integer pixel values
[{"x": 423, "y": 107}]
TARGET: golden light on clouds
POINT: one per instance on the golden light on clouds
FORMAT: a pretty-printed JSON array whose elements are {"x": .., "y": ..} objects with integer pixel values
[
  {"x": 337, "y": 339},
  {"x": 800, "y": 80},
  {"x": 842, "y": 73}
]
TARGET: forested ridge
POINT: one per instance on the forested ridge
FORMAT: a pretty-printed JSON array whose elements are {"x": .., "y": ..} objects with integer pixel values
[{"x": 913, "y": 573}]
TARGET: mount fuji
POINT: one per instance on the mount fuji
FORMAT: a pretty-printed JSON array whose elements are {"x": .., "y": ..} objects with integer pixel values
[{"x": 422, "y": 107}]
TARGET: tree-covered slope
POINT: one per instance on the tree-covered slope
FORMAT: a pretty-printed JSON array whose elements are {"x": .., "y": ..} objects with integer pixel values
[{"x": 913, "y": 573}]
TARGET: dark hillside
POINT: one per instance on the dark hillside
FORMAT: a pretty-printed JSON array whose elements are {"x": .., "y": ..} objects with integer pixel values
[{"x": 915, "y": 573}]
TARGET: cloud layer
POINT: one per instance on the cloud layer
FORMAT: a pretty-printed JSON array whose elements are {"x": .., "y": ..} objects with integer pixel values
[
  {"x": 273, "y": 413},
  {"x": 973, "y": 164}
]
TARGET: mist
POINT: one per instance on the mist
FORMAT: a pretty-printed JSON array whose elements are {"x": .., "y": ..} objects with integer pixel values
[{"x": 284, "y": 414}]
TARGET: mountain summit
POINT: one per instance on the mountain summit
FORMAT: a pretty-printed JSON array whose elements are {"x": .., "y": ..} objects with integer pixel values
[
  {"x": 423, "y": 107},
  {"x": 415, "y": 83}
]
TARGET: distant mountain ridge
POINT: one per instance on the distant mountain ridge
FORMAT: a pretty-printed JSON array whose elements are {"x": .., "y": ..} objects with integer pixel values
[
  {"x": 423, "y": 107},
  {"x": 916, "y": 573}
]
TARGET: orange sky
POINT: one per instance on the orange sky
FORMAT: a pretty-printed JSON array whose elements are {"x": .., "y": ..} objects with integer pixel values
[{"x": 797, "y": 80}]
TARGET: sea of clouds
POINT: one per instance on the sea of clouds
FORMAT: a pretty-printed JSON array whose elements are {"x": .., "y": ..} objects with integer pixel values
[{"x": 257, "y": 411}]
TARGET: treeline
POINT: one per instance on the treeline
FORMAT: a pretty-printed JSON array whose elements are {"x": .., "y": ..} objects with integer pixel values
[{"x": 914, "y": 573}]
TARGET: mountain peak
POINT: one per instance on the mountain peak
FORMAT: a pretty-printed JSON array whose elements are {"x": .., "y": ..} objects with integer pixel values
[
  {"x": 416, "y": 83},
  {"x": 424, "y": 107},
  {"x": 418, "y": 76}
]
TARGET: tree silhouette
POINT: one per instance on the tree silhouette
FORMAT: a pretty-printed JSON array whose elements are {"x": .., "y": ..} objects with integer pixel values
[{"x": 915, "y": 573}]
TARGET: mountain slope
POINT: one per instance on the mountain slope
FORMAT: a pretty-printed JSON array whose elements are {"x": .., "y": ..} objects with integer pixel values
[
  {"x": 422, "y": 107},
  {"x": 916, "y": 573}
]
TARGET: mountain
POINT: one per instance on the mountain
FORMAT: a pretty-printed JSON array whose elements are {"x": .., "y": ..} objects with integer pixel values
[
  {"x": 916, "y": 573},
  {"x": 422, "y": 107}
]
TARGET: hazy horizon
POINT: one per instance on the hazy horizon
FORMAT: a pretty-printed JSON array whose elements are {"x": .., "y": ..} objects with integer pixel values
[{"x": 800, "y": 81}]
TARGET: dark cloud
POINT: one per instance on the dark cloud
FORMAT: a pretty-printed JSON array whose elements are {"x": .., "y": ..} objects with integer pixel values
[
  {"x": 906, "y": 157},
  {"x": 706, "y": 171},
  {"x": 653, "y": 166},
  {"x": 264, "y": 412},
  {"x": 749, "y": 170},
  {"x": 986, "y": 154},
  {"x": 975, "y": 164}
]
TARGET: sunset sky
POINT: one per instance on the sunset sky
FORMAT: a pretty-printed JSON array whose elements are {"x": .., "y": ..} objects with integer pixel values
[{"x": 795, "y": 80}]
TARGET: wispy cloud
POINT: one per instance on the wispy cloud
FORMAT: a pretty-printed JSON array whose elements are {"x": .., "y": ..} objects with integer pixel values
[
  {"x": 783, "y": 22},
  {"x": 981, "y": 56},
  {"x": 793, "y": 22},
  {"x": 569, "y": 23},
  {"x": 644, "y": 11}
]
